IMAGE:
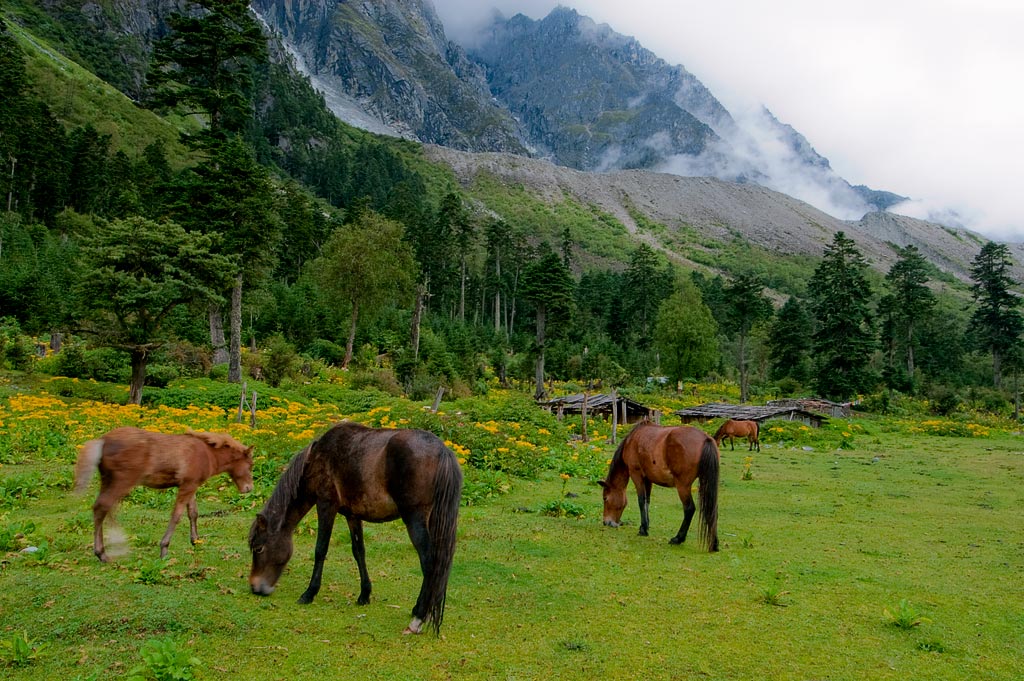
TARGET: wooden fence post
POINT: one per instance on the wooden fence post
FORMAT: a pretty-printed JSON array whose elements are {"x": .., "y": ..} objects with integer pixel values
[
  {"x": 615, "y": 415},
  {"x": 583, "y": 433}
]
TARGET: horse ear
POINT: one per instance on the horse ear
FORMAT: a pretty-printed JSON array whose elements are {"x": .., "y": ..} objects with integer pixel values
[
  {"x": 603, "y": 483},
  {"x": 261, "y": 522},
  {"x": 248, "y": 451}
]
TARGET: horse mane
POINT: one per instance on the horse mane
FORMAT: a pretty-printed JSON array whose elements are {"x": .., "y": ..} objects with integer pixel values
[
  {"x": 286, "y": 490},
  {"x": 721, "y": 429},
  {"x": 216, "y": 440}
]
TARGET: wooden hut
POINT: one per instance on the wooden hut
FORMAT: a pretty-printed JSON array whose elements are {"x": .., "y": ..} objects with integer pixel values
[
  {"x": 628, "y": 411},
  {"x": 747, "y": 412},
  {"x": 838, "y": 410}
]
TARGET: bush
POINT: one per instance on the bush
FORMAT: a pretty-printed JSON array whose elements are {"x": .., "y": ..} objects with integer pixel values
[
  {"x": 160, "y": 375},
  {"x": 380, "y": 379},
  {"x": 326, "y": 350},
  {"x": 944, "y": 401},
  {"x": 17, "y": 351},
  {"x": 280, "y": 360}
]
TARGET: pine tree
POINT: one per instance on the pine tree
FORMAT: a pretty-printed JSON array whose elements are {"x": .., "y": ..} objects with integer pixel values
[
  {"x": 746, "y": 306},
  {"x": 996, "y": 324},
  {"x": 789, "y": 342},
  {"x": 548, "y": 285},
  {"x": 844, "y": 340},
  {"x": 647, "y": 284},
  {"x": 136, "y": 273},
  {"x": 207, "y": 62},
  {"x": 912, "y": 300}
]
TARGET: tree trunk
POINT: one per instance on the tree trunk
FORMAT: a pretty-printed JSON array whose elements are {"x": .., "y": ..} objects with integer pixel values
[
  {"x": 417, "y": 316},
  {"x": 910, "y": 351},
  {"x": 540, "y": 392},
  {"x": 997, "y": 368},
  {"x": 139, "y": 357},
  {"x": 743, "y": 368},
  {"x": 235, "y": 356},
  {"x": 497, "y": 291},
  {"x": 351, "y": 335},
  {"x": 462, "y": 290},
  {"x": 220, "y": 350}
]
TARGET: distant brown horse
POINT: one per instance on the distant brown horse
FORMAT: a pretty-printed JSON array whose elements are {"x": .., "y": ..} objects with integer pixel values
[
  {"x": 377, "y": 475},
  {"x": 669, "y": 457},
  {"x": 733, "y": 429},
  {"x": 128, "y": 457}
]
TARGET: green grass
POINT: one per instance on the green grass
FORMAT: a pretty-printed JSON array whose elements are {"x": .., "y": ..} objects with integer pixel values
[{"x": 838, "y": 537}]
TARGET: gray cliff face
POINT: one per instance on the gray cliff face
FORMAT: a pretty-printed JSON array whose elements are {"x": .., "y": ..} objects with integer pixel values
[
  {"x": 392, "y": 58},
  {"x": 593, "y": 99}
]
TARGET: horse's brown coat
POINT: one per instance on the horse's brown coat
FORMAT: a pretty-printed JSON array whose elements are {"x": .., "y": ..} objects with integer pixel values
[
  {"x": 128, "y": 457},
  {"x": 668, "y": 457},
  {"x": 733, "y": 428}
]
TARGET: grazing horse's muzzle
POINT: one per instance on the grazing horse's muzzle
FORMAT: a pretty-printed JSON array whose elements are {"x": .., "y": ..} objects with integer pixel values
[
  {"x": 260, "y": 587},
  {"x": 611, "y": 523}
]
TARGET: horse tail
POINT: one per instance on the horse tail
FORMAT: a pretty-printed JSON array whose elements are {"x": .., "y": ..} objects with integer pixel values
[
  {"x": 88, "y": 461},
  {"x": 707, "y": 471},
  {"x": 757, "y": 434},
  {"x": 441, "y": 526}
]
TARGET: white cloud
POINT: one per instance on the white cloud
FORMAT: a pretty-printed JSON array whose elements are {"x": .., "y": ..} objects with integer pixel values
[{"x": 918, "y": 97}]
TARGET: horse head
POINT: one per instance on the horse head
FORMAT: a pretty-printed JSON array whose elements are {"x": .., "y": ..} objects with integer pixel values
[
  {"x": 271, "y": 551},
  {"x": 240, "y": 471},
  {"x": 614, "y": 503}
]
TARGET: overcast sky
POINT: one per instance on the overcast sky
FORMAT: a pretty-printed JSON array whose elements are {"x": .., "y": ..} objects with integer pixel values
[{"x": 924, "y": 98}]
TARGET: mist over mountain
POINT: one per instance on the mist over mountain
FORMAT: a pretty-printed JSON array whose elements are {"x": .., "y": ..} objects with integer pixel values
[{"x": 562, "y": 88}]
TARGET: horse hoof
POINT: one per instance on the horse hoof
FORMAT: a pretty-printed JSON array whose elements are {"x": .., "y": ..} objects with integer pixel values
[
  {"x": 102, "y": 557},
  {"x": 304, "y": 600},
  {"x": 675, "y": 541},
  {"x": 642, "y": 533},
  {"x": 363, "y": 600}
]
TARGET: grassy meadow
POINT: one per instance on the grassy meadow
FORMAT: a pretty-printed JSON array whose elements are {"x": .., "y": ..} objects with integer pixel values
[{"x": 874, "y": 548}]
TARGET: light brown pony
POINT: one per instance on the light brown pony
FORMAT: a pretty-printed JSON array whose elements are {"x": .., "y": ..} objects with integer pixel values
[
  {"x": 128, "y": 457},
  {"x": 733, "y": 429},
  {"x": 669, "y": 457}
]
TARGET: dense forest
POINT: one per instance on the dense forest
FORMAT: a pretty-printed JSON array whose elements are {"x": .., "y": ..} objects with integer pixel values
[{"x": 252, "y": 234}]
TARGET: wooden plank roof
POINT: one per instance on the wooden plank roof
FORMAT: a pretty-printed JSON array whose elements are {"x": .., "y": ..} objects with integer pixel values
[
  {"x": 595, "y": 402},
  {"x": 746, "y": 412}
]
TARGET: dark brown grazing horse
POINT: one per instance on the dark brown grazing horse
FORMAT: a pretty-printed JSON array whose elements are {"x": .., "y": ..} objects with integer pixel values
[
  {"x": 376, "y": 475},
  {"x": 669, "y": 457},
  {"x": 128, "y": 457},
  {"x": 733, "y": 429}
]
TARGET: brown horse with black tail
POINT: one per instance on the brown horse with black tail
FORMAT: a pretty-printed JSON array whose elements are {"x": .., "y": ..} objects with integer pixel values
[
  {"x": 376, "y": 475},
  {"x": 733, "y": 429},
  {"x": 669, "y": 457}
]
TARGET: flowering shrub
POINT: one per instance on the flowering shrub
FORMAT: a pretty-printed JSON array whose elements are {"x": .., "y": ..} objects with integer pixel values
[{"x": 946, "y": 428}]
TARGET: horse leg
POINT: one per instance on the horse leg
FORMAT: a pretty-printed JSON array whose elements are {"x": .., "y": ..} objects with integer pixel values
[
  {"x": 104, "y": 502},
  {"x": 325, "y": 515},
  {"x": 355, "y": 528},
  {"x": 689, "y": 507},
  {"x": 193, "y": 518},
  {"x": 185, "y": 497},
  {"x": 643, "y": 498},
  {"x": 416, "y": 526}
]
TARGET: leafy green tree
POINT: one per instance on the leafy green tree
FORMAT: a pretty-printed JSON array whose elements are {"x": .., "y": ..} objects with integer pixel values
[
  {"x": 686, "y": 334},
  {"x": 912, "y": 300},
  {"x": 996, "y": 324},
  {"x": 207, "y": 62},
  {"x": 549, "y": 287},
  {"x": 746, "y": 306},
  {"x": 136, "y": 272},
  {"x": 366, "y": 264},
  {"x": 844, "y": 338}
]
